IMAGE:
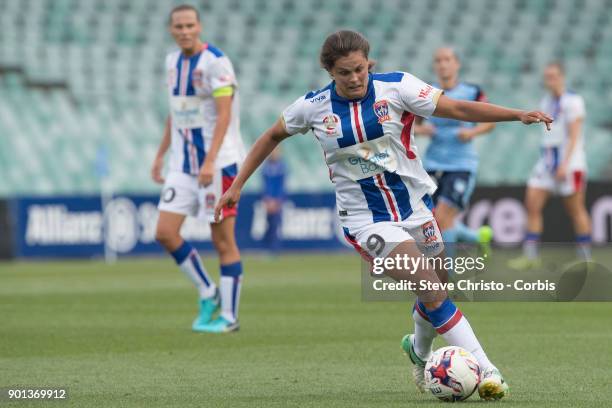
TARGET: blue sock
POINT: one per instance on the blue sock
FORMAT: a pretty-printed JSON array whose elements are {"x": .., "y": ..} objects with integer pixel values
[
  {"x": 189, "y": 261},
  {"x": 440, "y": 316},
  {"x": 466, "y": 234},
  {"x": 230, "y": 284}
]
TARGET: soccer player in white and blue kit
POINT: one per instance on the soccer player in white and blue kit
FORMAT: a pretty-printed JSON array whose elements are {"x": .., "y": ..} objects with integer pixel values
[
  {"x": 203, "y": 135},
  {"x": 451, "y": 158},
  {"x": 561, "y": 170},
  {"x": 363, "y": 122}
]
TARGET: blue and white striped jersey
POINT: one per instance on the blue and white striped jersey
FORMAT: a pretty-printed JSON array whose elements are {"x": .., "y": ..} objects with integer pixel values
[
  {"x": 368, "y": 145},
  {"x": 191, "y": 83}
]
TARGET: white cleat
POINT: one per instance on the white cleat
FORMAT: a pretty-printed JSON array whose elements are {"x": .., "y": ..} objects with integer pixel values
[{"x": 492, "y": 385}]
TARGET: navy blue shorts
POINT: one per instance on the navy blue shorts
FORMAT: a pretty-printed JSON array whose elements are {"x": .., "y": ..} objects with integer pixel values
[{"x": 454, "y": 187}]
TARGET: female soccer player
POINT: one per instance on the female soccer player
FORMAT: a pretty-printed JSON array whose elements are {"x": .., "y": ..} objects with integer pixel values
[
  {"x": 363, "y": 121},
  {"x": 203, "y": 135},
  {"x": 561, "y": 169}
]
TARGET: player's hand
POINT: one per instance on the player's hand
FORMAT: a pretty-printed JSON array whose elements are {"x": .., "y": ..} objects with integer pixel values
[
  {"x": 465, "y": 134},
  {"x": 561, "y": 173},
  {"x": 536, "y": 117},
  {"x": 205, "y": 178},
  {"x": 229, "y": 199},
  {"x": 156, "y": 170}
]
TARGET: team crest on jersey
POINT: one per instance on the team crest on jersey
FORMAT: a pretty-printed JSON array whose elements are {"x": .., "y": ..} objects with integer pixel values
[
  {"x": 381, "y": 109},
  {"x": 210, "y": 201},
  {"x": 196, "y": 78},
  {"x": 331, "y": 124},
  {"x": 429, "y": 232}
]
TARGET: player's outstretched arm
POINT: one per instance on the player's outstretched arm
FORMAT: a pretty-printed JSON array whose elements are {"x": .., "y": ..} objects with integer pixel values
[
  {"x": 485, "y": 112},
  {"x": 258, "y": 153}
]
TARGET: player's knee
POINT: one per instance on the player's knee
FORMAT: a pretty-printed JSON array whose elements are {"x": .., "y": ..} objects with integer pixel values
[
  {"x": 165, "y": 237},
  {"x": 533, "y": 207}
]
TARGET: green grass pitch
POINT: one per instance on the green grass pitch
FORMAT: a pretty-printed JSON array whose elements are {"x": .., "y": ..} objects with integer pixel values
[{"x": 119, "y": 336}]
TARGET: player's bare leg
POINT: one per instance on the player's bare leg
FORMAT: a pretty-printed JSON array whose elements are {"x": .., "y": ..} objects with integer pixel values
[
  {"x": 189, "y": 261},
  {"x": 434, "y": 307},
  {"x": 223, "y": 237},
  {"x": 168, "y": 230},
  {"x": 576, "y": 209},
  {"x": 535, "y": 200}
]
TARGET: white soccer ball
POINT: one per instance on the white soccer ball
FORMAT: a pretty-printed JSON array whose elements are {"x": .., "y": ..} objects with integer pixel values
[{"x": 452, "y": 374}]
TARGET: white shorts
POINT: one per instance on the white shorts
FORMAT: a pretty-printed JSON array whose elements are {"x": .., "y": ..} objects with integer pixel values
[
  {"x": 378, "y": 239},
  {"x": 183, "y": 195},
  {"x": 543, "y": 177}
]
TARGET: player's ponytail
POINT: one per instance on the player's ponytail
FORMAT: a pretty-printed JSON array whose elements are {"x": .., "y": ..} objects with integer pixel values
[{"x": 340, "y": 44}]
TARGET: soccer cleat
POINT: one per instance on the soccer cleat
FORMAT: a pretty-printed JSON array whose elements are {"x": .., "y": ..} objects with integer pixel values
[
  {"x": 485, "y": 235},
  {"x": 219, "y": 325},
  {"x": 524, "y": 264},
  {"x": 492, "y": 385},
  {"x": 207, "y": 308},
  {"x": 418, "y": 371}
]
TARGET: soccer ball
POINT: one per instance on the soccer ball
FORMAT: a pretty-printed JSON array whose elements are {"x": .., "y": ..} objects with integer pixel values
[{"x": 452, "y": 374}]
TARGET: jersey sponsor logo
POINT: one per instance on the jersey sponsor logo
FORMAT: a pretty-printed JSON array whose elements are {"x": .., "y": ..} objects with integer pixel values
[
  {"x": 424, "y": 93},
  {"x": 429, "y": 232},
  {"x": 367, "y": 159},
  {"x": 370, "y": 162},
  {"x": 381, "y": 109},
  {"x": 196, "y": 78},
  {"x": 331, "y": 124},
  {"x": 318, "y": 98},
  {"x": 226, "y": 78}
]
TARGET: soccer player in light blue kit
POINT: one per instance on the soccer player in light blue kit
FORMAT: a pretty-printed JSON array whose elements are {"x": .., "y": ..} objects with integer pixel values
[
  {"x": 363, "y": 121},
  {"x": 451, "y": 159}
]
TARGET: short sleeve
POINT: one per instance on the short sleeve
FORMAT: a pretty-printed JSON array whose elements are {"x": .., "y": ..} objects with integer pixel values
[
  {"x": 295, "y": 117},
  {"x": 480, "y": 95},
  {"x": 222, "y": 73},
  {"x": 575, "y": 109},
  {"x": 418, "y": 96}
]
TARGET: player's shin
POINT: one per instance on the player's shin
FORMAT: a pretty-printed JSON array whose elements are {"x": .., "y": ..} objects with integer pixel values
[
  {"x": 189, "y": 261},
  {"x": 450, "y": 323},
  {"x": 230, "y": 284}
]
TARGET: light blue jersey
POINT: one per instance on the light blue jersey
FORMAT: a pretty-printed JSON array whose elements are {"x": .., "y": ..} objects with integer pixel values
[{"x": 447, "y": 152}]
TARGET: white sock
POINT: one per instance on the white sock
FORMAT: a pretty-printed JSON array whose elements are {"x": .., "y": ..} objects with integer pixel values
[
  {"x": 230, "y": 297},
  {"x": 190, "y": 263},
  {"x": 456, "y": 330},
  {"x": 531, "y": 245},
  {"x": 230, "y": 285},
  {"x": 424, "y": 332}
]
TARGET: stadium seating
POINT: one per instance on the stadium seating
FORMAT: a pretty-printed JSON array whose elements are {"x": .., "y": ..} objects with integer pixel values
[{"x": 79, "y": 78}]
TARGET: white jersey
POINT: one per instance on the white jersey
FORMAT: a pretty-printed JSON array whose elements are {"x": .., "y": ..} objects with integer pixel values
[
  {"x": 191, "y": 83},
  {"x": 369, "y": 145},
  {"x": 564, "y": 110}
]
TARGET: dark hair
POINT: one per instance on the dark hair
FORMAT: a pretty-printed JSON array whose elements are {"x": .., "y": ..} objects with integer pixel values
[
  {"x": 340, "y": 44},
  {"x": 558, "y": 65},
  {"x": 183, "y": 7}
]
